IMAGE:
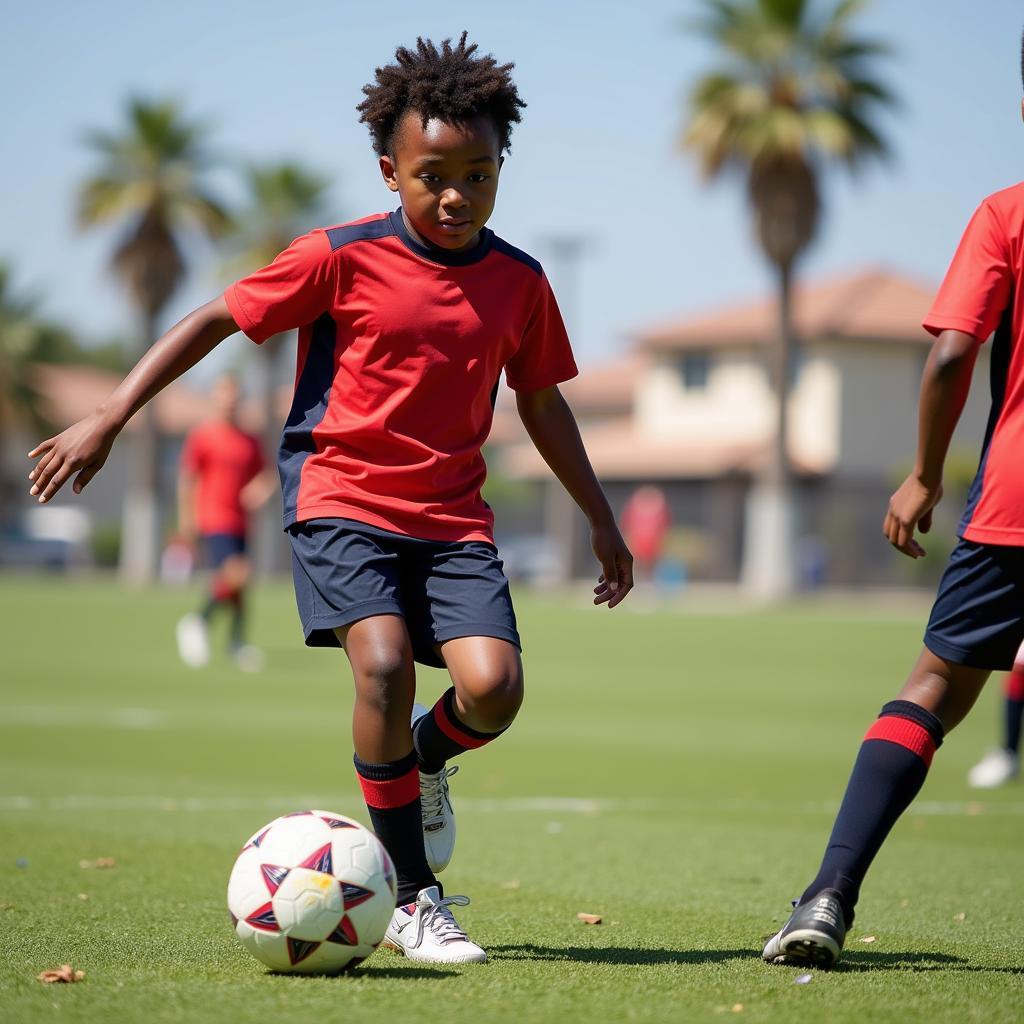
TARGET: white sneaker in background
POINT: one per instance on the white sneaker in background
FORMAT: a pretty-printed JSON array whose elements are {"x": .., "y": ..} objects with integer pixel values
[
  {"x": 427, "y": 931},
  {"x": 193, "y": 641},
  {"x": 994, "y": 769},
  {"x": 248, "y": 658}
]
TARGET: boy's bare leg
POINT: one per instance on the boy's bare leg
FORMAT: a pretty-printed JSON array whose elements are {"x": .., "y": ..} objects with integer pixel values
[{"x": 380, "y": 652}]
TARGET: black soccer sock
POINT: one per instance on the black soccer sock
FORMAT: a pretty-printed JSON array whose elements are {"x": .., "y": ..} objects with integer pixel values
[
  {"x": 439, "y": 735},
  {"x": 1013, "y": 710},
  {"x": 888, "y": 773},
  {"x": 392, "y": 795}
]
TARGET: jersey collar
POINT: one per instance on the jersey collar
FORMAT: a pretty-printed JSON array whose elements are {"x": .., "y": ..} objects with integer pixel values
[{"x": 449, "y": 258}]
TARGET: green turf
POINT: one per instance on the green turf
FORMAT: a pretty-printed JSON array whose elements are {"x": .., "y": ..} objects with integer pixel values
[{"x": 674, "y": 771}]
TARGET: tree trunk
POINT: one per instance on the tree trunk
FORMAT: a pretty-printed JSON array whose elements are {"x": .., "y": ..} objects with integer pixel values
[
  {"x": 141, "y": 519},
  {"x": 769, "y": 556}
]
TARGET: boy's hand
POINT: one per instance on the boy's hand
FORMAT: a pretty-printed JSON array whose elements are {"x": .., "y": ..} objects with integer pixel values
[
  {"x": 910, "y": 508},
  {"x": 82, "y": 448},
  {"x": 616, "y": 580}
]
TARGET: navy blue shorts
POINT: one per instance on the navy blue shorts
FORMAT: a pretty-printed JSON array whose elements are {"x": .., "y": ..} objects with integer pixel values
[
  {"x": 345, "y": 571},
  {"x": 978, "y": 616},
  {"x": 219, "y": 547}
]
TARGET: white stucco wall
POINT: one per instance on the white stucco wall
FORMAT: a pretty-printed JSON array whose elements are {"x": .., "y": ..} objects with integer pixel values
[
  {"x": 878, "y": 406},
  {"x": 737, "y": 407}
]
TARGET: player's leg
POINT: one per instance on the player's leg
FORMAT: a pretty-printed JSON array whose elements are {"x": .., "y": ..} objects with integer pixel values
[
  {"x": 1003, "y": 764},
  {"x": 422, "y": 926},
  {"x": 888, "y": 773},
  {"x": 471, "y": 628},
  {"x": 975, "y": 627},
  {"x": 236, "y": 573},
  {"x": 193, "y": 630},
  {"x": 380, "y": 653}
]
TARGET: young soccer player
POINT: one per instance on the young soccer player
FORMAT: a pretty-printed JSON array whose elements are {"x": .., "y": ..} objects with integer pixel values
[
  {"x": 977, "y": 622},
  {"x": 406, "y": 321},
  {"x": 1001, "y": 765},
  {"x": 222, "y": 478}
]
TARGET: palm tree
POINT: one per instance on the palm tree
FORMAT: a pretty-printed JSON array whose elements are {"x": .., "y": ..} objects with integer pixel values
[
  {"x": 21, "y": 337},
  {"x": 795, "y": 93},
  {"x": 149, "y": 181},
  {"x": 284, "y": 200},
  {"x": 27, "y": 339}
]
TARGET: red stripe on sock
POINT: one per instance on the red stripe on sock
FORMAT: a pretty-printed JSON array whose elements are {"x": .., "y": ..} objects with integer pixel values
[
  {"x": 904, "y": 732},
  {"x": 390, "y": 793},
  {"x": 454, "y": 733},
  {"x": 1014, "y": 685}
]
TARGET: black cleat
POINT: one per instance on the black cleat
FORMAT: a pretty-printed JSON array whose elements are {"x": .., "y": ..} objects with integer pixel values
[{"x": 813, "y": 936}]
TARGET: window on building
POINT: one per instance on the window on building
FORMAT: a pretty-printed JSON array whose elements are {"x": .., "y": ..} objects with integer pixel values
[{"x": 693, "y": 368}]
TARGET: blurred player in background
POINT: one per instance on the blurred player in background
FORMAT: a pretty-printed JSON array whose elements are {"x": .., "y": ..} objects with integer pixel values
[
  {"x": 1003, "y": 764},
  {"x": 223, "y": 477},
  {"x": 645, "y": 522}
]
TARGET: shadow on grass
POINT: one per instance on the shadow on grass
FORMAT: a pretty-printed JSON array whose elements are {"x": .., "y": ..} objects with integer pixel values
[
  {"x": 373, "y": 972},
  {"x": 852, "y": 962},
  {"x": 917, "y": 963},
  {"x": 636, "y": 957}
]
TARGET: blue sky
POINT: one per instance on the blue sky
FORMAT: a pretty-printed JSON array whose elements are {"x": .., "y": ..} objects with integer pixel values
[{"x": 595, "y": 156}]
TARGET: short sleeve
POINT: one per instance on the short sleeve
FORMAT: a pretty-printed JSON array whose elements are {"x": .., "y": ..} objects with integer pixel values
[
  {"x": 544, "y": 356},
  {"x": 976, "y": 288},
  {"x": 192, "y": 454},
  {"x": 289, "y": 293}
]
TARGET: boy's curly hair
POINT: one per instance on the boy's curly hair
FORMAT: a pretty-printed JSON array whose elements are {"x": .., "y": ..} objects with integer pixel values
[{"x": 451, "y": 84}]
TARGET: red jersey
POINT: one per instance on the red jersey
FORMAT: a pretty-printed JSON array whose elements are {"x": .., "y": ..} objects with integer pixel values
[
  {"x": 401, "y": 347},
  {"x": 223, "y": 459},
  {"x": 981, "y": 294}
]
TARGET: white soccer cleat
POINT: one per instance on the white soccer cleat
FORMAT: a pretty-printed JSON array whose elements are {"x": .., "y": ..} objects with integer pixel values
[
  {"x": 436, "y": 807},
  {"x": 193, "y": 641},
  {"x": 248, "y": 658},
  {"x": 427, "y": 931},
  {"x": 994, "y": 769}
]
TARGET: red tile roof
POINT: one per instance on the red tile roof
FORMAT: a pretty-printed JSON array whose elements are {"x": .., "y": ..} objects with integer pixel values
[{"x": 872, "y": 304}]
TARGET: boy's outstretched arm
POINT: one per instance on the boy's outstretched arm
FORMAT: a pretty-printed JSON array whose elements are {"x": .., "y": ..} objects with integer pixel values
[
  {"x": 552, "y": 428},
  {"x": 944, "y": 387},
  {"x": 84, "y": 446}
]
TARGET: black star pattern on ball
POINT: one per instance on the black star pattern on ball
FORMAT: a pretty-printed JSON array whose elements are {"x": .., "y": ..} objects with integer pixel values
[{"x": 344, "y": 934}]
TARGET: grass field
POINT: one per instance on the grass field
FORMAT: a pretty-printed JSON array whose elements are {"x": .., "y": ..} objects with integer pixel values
[{"x": 676, "y": 772}]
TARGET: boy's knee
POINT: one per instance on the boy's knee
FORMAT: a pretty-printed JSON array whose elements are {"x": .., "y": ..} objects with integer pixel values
[
  {"x": 384, "y": 679},
  {"x": 494, "y": 698}
]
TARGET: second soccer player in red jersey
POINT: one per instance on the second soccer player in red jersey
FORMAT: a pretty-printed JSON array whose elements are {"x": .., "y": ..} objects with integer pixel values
[
  {"x": 406, "y": 322},
  {"x": 222, "y": 479},
  {"x": 977, "y": 621}
]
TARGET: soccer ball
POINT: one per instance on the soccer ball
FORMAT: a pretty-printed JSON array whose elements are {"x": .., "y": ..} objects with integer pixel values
[{"x": 312, "y": 893}]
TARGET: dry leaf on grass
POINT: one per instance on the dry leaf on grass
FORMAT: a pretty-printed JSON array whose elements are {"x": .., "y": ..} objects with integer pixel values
[
  {"x": 737, "y": 1007},
  {"x": 589, "y": 918},
  {"x": 99, "y": 862},
  {"x": 868, "y": 938},
  {"x": 65, "y": 973},
  {"x": 960, "y": 917},
  {"x": 83, "y": 895}
]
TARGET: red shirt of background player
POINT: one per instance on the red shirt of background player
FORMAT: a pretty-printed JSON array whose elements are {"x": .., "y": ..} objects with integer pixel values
[
  {"x": 223, "y": 458},
  {"x": 645, "y": 521}
]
